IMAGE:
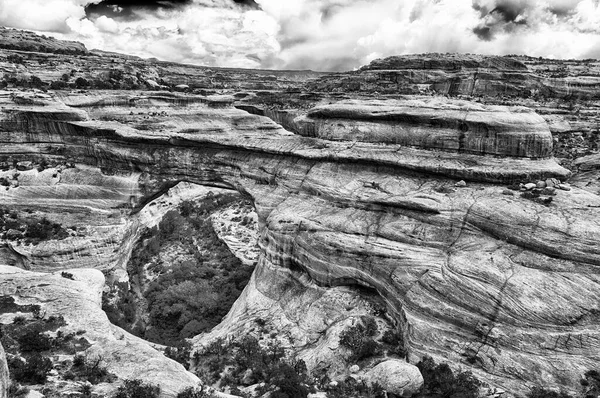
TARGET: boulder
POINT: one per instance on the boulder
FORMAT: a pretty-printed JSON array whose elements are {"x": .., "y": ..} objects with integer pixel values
[
  {"x": 564, "y": 187},
  {"x": 152, "y": 84},
  {"x": 397, "y": 377}
]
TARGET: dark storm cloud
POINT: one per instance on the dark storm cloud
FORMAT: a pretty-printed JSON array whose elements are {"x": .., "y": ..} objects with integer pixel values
[
  {"x": 248, "y": 3},
  {"x": 499, "y": 16},
  {"x": 125, "y": 9}
]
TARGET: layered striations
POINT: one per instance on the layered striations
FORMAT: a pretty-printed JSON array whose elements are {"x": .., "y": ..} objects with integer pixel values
[{"x": 496, "y": 283}]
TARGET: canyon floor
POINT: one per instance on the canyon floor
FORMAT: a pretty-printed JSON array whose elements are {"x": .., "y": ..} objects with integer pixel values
[{"x": 427, "y": 226}]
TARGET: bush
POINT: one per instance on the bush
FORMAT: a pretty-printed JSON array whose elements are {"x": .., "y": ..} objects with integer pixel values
[
  {"x": 91, "y": 369},
  {"x": 246, "y": 361},
  {"x": 15, "y": 58},
  {"x": 67, "y": 275},
  {"x": 58, "y": 85},
  {"x": 34, "y": 341},
  {"x": 15, "y": 390},
  {"x": 137, "y": 389},
  {"x": 539, "y": 392},
  {"x": 440, "y": 380},
  {"x": 591, "y": 384},
  {"x": 192, "y": 392},
  {"x": 34, "y": 370},
  {"x": 352, "y": 388},
  {"x": 359, "y": 339},
  {"x": 80, "y": 82}
]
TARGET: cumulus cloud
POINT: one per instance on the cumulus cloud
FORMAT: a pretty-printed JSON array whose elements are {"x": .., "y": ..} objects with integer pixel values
[
  {"x": 315, "y": 34},
  {"x": 42, "y": 15}
]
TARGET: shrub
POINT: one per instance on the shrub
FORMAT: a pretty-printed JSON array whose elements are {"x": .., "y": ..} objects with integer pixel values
[
  {"x": 34, "y": 370},
  {"x": 192, "y": 392},
  {"x": 80, "y": 82},
  {"x": 246, "y": 358},
  {"x": 58, "y": 85},
  {"x": 352, "y": 388},
  {"x": 539, "y": 392},
  {"x": 36, "y": 82},
  {"x": 93, "y": 371},
  {"x": 439, "y": 379},
  {"x": 67, "y": 275},
  {"x": 34, "y": 341},
  {"x": 16, "y": 390},
  {"x": 15, "y": 58},
  {"x": 137, "y": 389},
  {"x": 359, "y": 339},
  {"x": 395, "y": 340},
  {"x": 78, "y": 361}
]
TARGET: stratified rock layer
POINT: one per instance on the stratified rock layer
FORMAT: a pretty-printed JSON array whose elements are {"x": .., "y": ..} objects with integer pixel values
[
  {"x": 503, "y": 285},
  {"x": 457, "y": 126}
]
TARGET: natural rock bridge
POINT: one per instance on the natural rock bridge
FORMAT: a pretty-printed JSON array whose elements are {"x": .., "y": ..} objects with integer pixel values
[{"x": 363, "y": 193}]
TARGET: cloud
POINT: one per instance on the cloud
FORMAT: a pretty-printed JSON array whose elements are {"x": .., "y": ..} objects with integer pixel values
[
  {"x": 314, "y": 34},
  {"x": 41, "y": 15}
]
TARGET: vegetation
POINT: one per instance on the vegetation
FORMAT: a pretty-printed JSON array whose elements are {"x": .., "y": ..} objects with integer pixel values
[
  {"x": 90, "y": 369},
  {"x": 137, "y": 389},
  {"x": 441, "y": 382},
  {"x": 32, "y": 370},
  {"x": 359, "y": 339},
  {"x": 29, "y": 345},
  {"x": 246, "y": 362},
  {"x": 198, "y": 392},
  {"x": 188, "y": 294},
  {"x": 30, "y": 227},
  {"x": 363, "y": 340},
  {"x": 351, "y": 388}
]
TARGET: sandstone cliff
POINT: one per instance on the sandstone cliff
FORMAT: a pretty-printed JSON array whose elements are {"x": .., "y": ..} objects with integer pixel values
[
  {"x": 366, "y": 206},
  {"x": 501, "y": 284}
]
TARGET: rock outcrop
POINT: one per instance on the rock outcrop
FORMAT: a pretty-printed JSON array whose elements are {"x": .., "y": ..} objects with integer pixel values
[
  {"x": 78, "y": 301},
  {"x": 4, "y": 376},
  {"x": 503, "y": 285},
  {"x": 457, "y": 126}
]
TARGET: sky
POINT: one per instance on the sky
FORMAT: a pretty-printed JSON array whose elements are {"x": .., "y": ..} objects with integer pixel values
[{"x": 323, "y": 35}]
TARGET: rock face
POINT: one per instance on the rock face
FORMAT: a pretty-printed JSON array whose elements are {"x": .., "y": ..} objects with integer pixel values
[
  {"x": 78, "y": 300},
  {"x": 502, "y": 285},
  {"x": 405, "y": 198},
  {"x": 469, "y": 75},
  {"x": 4, "y": 376},
  {"x": 457, "y": 126}
]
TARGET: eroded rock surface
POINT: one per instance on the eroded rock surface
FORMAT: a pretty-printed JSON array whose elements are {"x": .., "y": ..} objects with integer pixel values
[
  {"x": 4, "y": 376},
  {"x": 78, "y": 301},
  {"x": 500, "y": 284}
]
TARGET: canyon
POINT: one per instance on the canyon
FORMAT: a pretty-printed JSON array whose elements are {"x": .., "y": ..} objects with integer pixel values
[{"x": 453, "y": 199}]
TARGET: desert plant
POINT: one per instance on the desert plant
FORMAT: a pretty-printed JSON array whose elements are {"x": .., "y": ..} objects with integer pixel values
[
  {"x": 194, "y": 392},
  {"x": 539, "y": 392},
  {"x": 34, "y": 370},
  {"x": 439, "y": 380},
  {"x": 136, "y": 388},
  {"x": 359, "y": 339},
  {"x": 67, "y": 275}
]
